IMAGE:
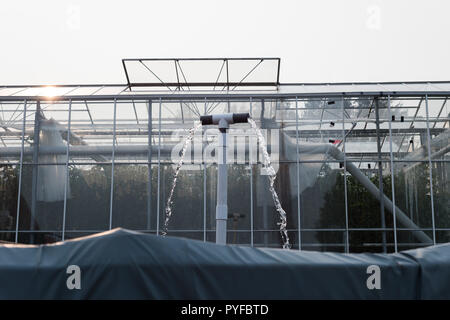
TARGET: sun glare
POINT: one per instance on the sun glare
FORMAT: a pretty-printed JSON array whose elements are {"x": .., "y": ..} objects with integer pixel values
[{"x": 49, "y": 92}]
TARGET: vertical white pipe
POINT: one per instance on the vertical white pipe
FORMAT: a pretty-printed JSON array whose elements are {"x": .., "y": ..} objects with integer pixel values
[{"x": 222, "y": 208}]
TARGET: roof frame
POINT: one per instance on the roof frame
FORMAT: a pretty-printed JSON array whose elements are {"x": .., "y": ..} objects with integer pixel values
[{"x": 225, "y": 84}]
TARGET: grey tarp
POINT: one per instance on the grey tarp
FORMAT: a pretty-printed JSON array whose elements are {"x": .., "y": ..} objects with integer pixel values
[{"x": 122, "y": 264}]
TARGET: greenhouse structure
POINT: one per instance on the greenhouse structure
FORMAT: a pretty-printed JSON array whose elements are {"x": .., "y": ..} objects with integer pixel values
[{"x": 360, "y": 167}]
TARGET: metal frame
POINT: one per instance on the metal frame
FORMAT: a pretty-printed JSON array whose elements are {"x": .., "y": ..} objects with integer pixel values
[
  {"x": 430, "y": 168},
  {"x": 344, "y": 137},
  {"x": 299, "y": 224},
  {"x": 20, "y": 171},
  {"x": 380, "y": 170},
  {"x": 394, "y": 207},
  {"x": 294, "y": 128},
  {"x": 179, "y": 84},
  {"x": 66, "y": 183}
]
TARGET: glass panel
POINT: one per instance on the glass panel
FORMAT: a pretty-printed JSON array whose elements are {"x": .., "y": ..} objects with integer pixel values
[
  {"x": 323, "y": 202},
  {"x": 324, "y": 240},
  {"x": 411, "y": 172},
  {"x": 92, "y": 132},
  {"x": 9, "y": 183},
  {"x": 441, "y": 192},
  {"x": 187, "y": 200},
  {"x": 44, "y": 172},
  {"x": 238, "y": 204},
  {"x": 11, "y": 123},
  {"x": 130, "y": 197},
  {"x": 268, "y": 238},
  {"x": 413, "y": 197},
  {"x": 407, "y": 239},
  {"x": 39, "y": 237},
  {"x": 370, "y": 241},
  {"x": 443, "y": 236},
  {"x": 131, "y": 132},
  {"x": 89, "y": 201}
]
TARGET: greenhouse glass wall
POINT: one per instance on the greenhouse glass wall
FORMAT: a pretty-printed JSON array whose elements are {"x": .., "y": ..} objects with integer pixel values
[{"x": 361, "y": 167}]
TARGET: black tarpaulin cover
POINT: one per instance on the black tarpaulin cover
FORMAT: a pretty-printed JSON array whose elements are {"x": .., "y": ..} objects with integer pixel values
[{"x": 122, "y": 264}]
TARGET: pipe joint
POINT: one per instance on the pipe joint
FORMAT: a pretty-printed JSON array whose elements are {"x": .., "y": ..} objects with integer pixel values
[{"x": 229, "y": 118}]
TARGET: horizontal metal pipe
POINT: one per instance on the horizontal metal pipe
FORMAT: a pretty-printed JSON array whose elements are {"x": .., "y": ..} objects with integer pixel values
[
  {"x": 202, "y": 59},
  {"x": 83, "y": 150},
  {"x": 204, "y": 84},
  {"x": 106, "y": 85},
  {"x": 166, "y": 149},
  {"x": 130, "y": 130},
  {"x": 225, "y": 96}
]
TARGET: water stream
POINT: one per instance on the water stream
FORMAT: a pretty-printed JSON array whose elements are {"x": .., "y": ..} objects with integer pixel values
[
  {"x": 169, "y": 204},
  {"x": 270, "y": 171},
  {"x": 267, "y": 166}
]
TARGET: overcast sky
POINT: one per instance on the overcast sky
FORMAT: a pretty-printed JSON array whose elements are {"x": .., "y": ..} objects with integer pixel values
[{"x": 68, "y": 42}]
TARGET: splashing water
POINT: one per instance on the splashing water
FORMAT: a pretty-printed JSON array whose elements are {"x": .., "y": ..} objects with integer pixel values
[
  {"x": 272, "y": 176},
  {"x": 169, "y": 204}
]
